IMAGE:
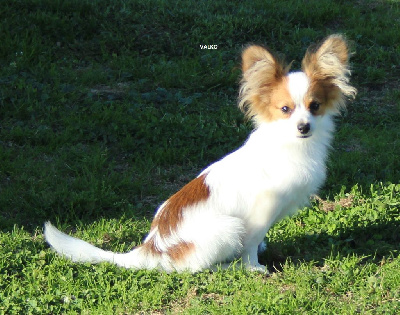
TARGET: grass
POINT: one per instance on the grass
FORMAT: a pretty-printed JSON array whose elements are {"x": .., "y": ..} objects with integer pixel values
[{"x": 108, "y": 107}]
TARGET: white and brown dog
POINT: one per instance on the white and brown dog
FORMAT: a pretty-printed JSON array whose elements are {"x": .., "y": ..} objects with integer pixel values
[{"x": 227, "y": 210}]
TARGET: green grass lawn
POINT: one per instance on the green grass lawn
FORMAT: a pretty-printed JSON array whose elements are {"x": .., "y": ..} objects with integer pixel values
[{"x": 107, "y": 107}]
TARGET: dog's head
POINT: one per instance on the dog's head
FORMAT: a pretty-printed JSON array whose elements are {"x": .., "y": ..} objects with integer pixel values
[{"x": 269, "y": 93}]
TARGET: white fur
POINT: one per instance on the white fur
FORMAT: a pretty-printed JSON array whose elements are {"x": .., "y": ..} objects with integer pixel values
[
  {"x": 298, "y": 86},
  {"x": 271, "y": 176}
]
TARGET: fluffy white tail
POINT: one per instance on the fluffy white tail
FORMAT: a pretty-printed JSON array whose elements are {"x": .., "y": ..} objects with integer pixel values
[
  {"x": 81, "y": 251},
  {"x": 73, "y": 248}
]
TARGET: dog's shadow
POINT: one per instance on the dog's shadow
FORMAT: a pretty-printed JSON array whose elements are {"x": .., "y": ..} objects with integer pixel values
[{"x": 372, "y": 242}]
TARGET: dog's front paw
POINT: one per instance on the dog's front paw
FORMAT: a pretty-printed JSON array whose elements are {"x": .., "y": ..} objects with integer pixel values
[{"x": 256, "y": 267}]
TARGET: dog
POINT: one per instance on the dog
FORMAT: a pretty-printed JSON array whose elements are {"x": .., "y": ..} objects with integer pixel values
[{"x": 225, "y": 212}]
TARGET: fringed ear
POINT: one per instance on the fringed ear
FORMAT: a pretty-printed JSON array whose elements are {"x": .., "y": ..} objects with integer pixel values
[
  {"x": 253, "y": 54},
  {"x": 327, "y": 64},
  {"x": 261, "y": 72}
]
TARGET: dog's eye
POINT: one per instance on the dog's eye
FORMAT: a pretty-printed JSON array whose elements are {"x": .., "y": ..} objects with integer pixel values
[
  {"x": 314, "y": 106},
  {"x": 285, "y": 109}
]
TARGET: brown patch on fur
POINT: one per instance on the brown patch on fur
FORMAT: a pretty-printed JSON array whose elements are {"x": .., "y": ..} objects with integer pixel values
[
  {"x": 263, "y": 73},
  {"x": 169, "y": 217},
  {"x": 327, "y": 67},
  {"x": 179, "y": 251},
  {"x": 268, "y": 104},
  {"x": 325, "y": 94},
  {"x": 150, "y": 247}
]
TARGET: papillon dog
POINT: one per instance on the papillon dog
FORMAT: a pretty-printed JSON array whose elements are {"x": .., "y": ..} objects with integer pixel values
[{"x": 225, "y": 212}]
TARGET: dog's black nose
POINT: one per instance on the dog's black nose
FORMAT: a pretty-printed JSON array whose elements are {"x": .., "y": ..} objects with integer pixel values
[{"x": 303, "y": 128}]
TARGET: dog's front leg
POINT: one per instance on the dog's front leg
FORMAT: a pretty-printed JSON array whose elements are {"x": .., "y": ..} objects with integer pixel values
[
  {"x": 258, "y": 221},
  {"x": 251, "y": 247}
]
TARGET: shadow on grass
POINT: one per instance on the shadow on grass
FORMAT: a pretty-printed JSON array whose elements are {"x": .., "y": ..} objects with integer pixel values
[{"x": 374, "y": 242}]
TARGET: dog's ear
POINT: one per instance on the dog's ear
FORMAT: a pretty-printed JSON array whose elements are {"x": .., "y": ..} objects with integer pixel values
[
  {"x": 262, "y": 71},
  {"x": 260, "y": 57},
  {"x": 334, "y": 46},
  {"x": 253, "y": 54},
  {"x": 328, "y": 64}
]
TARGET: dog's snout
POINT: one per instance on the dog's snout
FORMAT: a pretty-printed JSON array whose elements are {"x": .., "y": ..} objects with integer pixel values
[{"x": 303, "y": 128}]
